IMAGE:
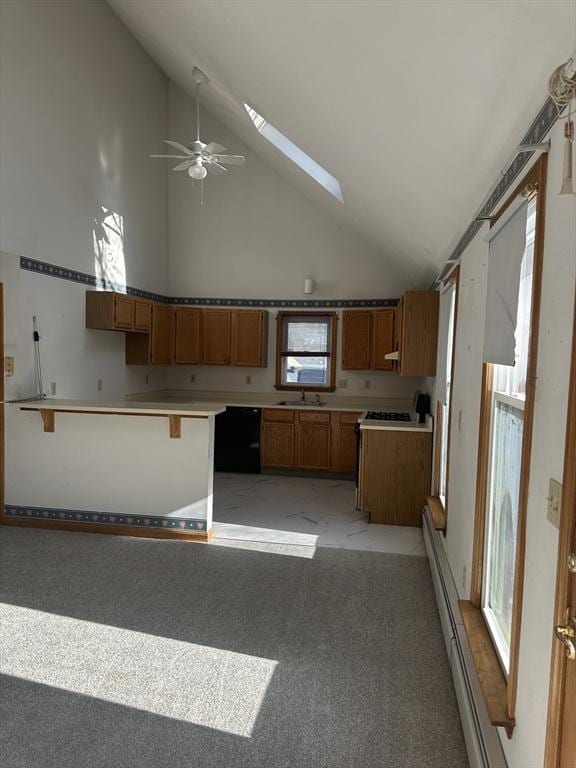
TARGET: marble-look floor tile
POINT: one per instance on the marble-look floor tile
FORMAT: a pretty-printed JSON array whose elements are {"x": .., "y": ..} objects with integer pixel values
[{"x": 304, "y": 512}]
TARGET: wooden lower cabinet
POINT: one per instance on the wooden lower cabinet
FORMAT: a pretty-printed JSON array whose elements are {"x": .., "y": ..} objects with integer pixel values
[
  {"x": 309, "y": 440},
  {"x": 277, "y": 443},
  {"x": 344, "y": 440},
  {"x": 395, "y": 471},
  {"x": 313, "y": 440}
]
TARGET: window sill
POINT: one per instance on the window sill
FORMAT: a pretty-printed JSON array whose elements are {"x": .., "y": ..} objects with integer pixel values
[
  {"x": 490, "y": 676},
  {"x": 303, "y": 388},
  {"x": 437, "y": 512}
]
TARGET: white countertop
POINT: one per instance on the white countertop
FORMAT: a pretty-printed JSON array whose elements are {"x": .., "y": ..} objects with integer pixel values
[
  {"x": 398, "y": 426},
  {"x": 168, "y": 408},
  {"x": 271, "y": 400}
]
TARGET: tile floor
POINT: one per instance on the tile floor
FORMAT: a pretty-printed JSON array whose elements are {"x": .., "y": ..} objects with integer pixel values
[{"x": 302, "y": 511}]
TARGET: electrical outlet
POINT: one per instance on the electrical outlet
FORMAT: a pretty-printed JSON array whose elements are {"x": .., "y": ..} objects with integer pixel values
[
  {"x": 53, "y": 388},
  {"x": 554, "y": 501},
  {"x": 248, "y": 379},
  {"x": 99, "y": 385},
  {"x": 459, "y": 421},
  {"x": 343, "y": 384},
  {"x": 464, "y": 577},
  {"x": 9, "y": 366},
  {"x": 146, "y": 378},
  {"x": 366, "y": 383},
  {"x": 192, "y": 378}
]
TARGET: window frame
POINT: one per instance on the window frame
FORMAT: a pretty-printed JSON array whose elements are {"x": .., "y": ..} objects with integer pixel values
[
  {"x": 281, "y": 319},
  {"x": 499, "y": 689},
  {"x": 438, "y": 505}
]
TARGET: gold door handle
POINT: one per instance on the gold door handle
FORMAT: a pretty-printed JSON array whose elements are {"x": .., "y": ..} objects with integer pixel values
[{"x": 567, "y": 634}]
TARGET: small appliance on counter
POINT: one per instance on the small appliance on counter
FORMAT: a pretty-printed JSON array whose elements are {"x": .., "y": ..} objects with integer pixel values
[{"x": 422, "y": 406}]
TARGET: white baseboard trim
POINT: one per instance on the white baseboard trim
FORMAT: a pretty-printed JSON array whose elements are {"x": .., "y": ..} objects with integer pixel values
[{"x": 482, "y": 740}]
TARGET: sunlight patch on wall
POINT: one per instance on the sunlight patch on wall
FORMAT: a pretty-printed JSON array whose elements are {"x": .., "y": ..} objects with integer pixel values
[
  {"x": 297, "y": 155},
  {"x": 211, "y": 687},
  {"x": 109, "y": 260}
]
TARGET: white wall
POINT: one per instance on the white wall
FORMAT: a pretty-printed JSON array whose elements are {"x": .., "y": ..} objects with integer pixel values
[
  {"x": 526, "y": 748},
  {"x": 256, "y": 236},
  {"x": 81, "y": 107}
]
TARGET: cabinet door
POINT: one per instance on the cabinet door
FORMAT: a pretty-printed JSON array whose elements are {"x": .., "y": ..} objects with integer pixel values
[
  {"x": 344, "y": 441},
  {"x": 161, "y": 334},
  {"x": 249, "y": 338},
  {"x": 142, "y": 315},
  {"x": 356, "y": 340},
  {"x": 419, "y": 333},
  {"x": 314, "y": 441},
  {"x": 188, "y": 336},
  {"x": 217, "y": 337},
  {"x": 382, "y": 339},
  {"x": 277, "y": 444},
  {"x": 123, "y": 313}
]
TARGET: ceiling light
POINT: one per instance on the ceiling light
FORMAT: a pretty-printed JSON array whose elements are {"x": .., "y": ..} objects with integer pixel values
[{"x": 197, "y": 171}]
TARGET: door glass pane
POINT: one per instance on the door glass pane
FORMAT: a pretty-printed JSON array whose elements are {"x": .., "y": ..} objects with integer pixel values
[
  {"x": 503, "y": 522},
  {"x": 307, "y": 336},
  {"x": 307, "y": 371}
]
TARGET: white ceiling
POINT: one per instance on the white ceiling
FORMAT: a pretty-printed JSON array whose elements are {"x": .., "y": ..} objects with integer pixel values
[{"x": 414, "y": 105}]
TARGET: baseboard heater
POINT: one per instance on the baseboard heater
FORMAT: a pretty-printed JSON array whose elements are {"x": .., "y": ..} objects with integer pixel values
[{"x": 482, "y": 740}]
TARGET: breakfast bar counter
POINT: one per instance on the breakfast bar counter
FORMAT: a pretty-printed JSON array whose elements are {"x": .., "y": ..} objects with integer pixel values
[{"x": 114, "y": 467}]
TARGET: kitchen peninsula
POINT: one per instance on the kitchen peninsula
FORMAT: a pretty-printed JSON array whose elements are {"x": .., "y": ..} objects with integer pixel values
[{"x": 141, "y": 469}]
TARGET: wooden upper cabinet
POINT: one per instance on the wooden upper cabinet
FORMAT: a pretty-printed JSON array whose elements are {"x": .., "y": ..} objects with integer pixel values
[
  {"x": 109, "y": 311},
  {"x": 418, "y": 333},
  {"x": 217, "y": 337},
  {"x": 382, "y": 339},
  {"x": 356, "y": 340},
  {"x": 142, "y": 315},
  {"x": 161, "y": 334},
  {"x": 188, "y": 333},
  {"x": 250, "y": 338}
]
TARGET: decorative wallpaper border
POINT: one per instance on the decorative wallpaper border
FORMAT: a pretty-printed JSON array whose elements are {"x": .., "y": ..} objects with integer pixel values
[
  {"x": 72, "y": 275},
  {"x": 541, "y": 125},
  {"x": 104, "y": 518}
]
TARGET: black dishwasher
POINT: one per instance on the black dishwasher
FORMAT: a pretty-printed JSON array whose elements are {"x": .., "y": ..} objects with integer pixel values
[{"x": 237, "y": 442}]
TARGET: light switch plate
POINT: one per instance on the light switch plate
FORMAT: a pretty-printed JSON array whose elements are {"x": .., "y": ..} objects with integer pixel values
[{"x": 554, "y": 502}]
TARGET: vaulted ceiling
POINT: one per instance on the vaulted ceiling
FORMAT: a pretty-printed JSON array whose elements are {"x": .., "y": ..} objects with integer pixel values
[{"x": 414, "y": 105}]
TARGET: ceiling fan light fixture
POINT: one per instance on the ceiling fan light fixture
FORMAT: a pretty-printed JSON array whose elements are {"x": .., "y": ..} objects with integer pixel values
[{"x": 197, "y": 172}]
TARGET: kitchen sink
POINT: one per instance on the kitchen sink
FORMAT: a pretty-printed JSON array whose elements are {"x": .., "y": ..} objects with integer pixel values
[{"x": 300, "y": 403}]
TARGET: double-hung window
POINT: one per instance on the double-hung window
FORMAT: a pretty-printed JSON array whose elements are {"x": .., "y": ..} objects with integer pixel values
[
  {"x": 506, "y": 419},
  {"x": 493, "y": 615},
  {"x": 438, "y": 502},
  {"x": 305, "y": 351}
]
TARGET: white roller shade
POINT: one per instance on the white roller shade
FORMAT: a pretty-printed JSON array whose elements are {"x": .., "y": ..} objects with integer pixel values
[
  {"x": 507, "y": 245},
  {"x": 442, "y": 362}
]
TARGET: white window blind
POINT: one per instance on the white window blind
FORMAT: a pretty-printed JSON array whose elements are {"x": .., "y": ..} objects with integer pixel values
[{"x": 507, "y": 245}]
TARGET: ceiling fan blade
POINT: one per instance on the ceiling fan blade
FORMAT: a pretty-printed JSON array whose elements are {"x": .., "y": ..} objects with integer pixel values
[
  {"x": 214, "y": 148},
  {"x": 183, "y": 166},
  {"x": 214, "y": 168},
  {"x": 177, "y": 145},
  {"x": 175, "y": 157},
  {"x": 230, "y": 159}
]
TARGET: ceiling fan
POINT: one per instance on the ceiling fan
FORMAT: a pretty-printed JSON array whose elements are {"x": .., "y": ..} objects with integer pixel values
[{"x": 200, "y": 158}]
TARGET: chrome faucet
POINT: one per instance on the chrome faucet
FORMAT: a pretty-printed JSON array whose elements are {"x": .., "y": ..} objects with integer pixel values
[
  {"x": 303, "y": 396},
  {"x": 317, "y": 396}
]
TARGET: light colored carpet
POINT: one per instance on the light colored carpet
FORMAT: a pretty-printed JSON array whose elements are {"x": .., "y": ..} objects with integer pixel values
[{"x": 129, "y": 653}]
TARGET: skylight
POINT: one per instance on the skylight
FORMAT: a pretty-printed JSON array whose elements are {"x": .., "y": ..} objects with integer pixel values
[{"x": 295, "y": 154}]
